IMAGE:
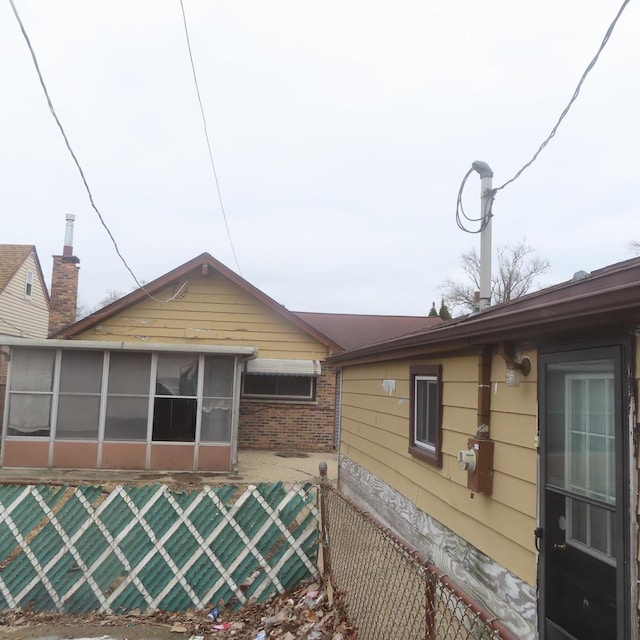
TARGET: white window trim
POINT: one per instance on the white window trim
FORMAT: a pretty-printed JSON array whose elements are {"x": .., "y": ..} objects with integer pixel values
[
  {"x": 28, "y": 284},
  {"x": 427, "y": 446},
  {"x": 608, "y": 556}
]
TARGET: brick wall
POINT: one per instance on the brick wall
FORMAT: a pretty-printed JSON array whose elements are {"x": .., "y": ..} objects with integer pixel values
[
  {"x": 298, "y": 426},
  {"x": 64, "y": 292}
]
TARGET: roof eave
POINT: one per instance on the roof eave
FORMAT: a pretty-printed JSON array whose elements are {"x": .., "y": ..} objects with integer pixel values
[
  {"x": 159, "y": 283},
  {"x": 616, "y": 305}
]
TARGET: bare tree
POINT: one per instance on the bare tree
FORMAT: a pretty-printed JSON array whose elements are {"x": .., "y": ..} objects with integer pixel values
[
  {"x": 111, "y": 296},
  {"x": 83, "y": 310},
  {"x": 634, "y": 247},
  {"x": 515, "y": 274}
]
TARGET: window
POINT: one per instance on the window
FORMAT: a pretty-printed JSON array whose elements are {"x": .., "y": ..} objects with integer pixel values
[
  {"x": 128, "y": 396},
  {"x": 30, "y": 392},
  {"x": 425, "y": 435},
  {"x": 28, "y": 285},
  {"x": 124, "y": 395},
  {"x": 79, "y": 395},
  {"x": 176, "y": 402},
  {"x": 217, "y": 400},
  {"x": 278, "y": 387},
  {"x": 590, "y": 438}
]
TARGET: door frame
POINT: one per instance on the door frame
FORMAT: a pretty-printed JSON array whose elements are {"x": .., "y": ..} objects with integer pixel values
[{"x": 619, "y": 348}]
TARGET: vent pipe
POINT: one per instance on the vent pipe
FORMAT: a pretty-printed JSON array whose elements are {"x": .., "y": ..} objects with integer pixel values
[{"x": 67, "y": 249}]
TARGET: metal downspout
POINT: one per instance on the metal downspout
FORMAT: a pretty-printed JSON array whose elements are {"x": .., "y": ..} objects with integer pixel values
[{"x": 484, "y": 392}]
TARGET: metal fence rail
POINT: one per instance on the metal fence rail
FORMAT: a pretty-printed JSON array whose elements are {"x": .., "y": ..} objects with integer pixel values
[
  {"x": 390, "y": 591},
  {"x": 78, "y": 549}
]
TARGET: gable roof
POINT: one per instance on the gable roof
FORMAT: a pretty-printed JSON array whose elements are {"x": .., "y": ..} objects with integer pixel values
[
  {"x": 204, "y": 260},
  {"x": 356, "y": 330},
  {"x": 12, "y": 257},
  {"x": 588, "y": 301}
]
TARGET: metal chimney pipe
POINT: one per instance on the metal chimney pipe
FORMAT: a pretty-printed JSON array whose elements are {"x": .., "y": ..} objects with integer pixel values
[{"x": 67, "y": 250}]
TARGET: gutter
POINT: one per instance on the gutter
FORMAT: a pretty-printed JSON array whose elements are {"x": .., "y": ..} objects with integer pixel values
[
  {"x": 106, "y": 345},
  {"x": 517, "y": 321}
]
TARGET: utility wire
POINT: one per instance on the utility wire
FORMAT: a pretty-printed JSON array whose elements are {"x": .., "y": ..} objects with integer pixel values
[
  {"x": 75, "y": 159},
  {"x": 461, "y": 215},
  {"x": 607, "y": 35},
  {"x": 206, "y": 135},
  {"x": 487, "y": 214}
]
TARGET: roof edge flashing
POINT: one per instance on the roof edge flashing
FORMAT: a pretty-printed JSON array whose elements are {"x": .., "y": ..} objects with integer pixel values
[{"x": 106, "y": 345}]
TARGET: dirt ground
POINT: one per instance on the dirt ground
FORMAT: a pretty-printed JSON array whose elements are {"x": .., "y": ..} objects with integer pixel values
[{"x": 305, "y": 613}]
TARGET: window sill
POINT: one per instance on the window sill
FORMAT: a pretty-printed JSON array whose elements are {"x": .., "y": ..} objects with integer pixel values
[{"x": 434, "y": 459}]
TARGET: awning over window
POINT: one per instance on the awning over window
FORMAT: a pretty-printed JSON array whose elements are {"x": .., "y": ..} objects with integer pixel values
[{"x": 280, "y": 367}]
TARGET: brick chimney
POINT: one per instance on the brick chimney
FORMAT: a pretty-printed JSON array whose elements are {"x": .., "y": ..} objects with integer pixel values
[{"x": 64, "y": 283}]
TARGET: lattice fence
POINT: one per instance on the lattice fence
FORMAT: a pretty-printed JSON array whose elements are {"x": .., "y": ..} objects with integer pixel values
[{"x": 79, "y": 549}]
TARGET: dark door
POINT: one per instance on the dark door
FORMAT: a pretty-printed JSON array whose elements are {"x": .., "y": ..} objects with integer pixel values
[{"x": 583, "y": 552}]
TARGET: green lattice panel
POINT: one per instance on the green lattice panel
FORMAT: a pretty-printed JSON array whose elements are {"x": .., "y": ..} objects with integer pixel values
[{"x": 81, "y": 549}]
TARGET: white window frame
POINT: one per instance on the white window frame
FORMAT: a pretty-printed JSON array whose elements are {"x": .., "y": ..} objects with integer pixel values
[
  {"x": 28, "y": 284},
  {"x": 607, "y": 556},
  {"x": 432, "y": 385}
]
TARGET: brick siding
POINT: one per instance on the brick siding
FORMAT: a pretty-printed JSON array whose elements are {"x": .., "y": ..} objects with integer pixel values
[
  {"x": 64, "y": 292},
  {"x": 281, "y": 426}
]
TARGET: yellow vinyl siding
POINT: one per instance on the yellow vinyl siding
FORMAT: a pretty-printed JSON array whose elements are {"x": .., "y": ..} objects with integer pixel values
[
  {"x": 212, "y": 310},
  {"x": 25, "y": 317},
  {"x": 375, "y": 434}
]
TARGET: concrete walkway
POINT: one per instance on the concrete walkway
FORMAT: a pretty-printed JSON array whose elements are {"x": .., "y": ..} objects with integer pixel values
[{"x": 253, "y": 467}]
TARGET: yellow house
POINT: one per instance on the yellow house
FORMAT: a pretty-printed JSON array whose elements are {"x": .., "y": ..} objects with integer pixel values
[
  {"x": 504, "y": 446},
  {"x": 178, "y": 375}
]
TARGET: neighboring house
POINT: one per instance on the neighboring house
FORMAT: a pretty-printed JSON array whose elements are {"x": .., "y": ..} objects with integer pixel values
[
  {"x": 24, "y": 300},
  {"x": 540, "y": 394},
  {"x": 176, "y": 375}
]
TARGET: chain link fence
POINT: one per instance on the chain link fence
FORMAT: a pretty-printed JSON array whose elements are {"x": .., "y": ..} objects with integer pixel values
[{"x": 389, "y": 590}]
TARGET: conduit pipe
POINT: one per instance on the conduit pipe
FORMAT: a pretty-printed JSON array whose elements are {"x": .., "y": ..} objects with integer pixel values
[
  {"x": 478, "y": 459},
  {"x": 484, "y": 392}
]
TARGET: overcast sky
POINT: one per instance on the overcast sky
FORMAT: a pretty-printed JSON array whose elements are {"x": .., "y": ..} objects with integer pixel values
[{"x": 341, "y": 132}]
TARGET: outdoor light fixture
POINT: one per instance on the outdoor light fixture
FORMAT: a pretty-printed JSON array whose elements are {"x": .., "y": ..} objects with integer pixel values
[{"x": 515, "y": 370}]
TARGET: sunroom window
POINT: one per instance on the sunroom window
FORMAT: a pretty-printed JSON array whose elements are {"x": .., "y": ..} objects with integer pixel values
[
  {"x": 30, "y": 392},
  {"x": 83, "y": 394}
]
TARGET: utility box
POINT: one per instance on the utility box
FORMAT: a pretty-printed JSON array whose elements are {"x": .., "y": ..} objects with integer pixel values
[{"x": 480, "y": 479}]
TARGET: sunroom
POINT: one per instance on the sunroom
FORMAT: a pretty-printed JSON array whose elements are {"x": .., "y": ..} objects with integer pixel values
[{"x": 89, "y": 405}]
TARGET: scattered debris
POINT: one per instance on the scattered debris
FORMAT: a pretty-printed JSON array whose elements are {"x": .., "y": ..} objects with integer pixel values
[{"x": 307, "y": 613}]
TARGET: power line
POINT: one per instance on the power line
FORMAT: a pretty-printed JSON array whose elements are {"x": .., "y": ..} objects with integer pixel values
[
  {"x": 75, "y": 159},
  {"x": 607, "y": 35},
  {"x": 206, "y": 135},
  {"x": 487, "y": 214},
  {"x": 461, "y": 215}
]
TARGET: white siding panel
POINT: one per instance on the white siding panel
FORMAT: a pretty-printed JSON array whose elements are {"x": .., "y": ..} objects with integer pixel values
[{"x": 21, "y": 316}]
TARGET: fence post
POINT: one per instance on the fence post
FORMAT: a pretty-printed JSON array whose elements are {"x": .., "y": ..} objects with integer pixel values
[
  {"x": 324, "y": 529},
  {"x": 430, "y": 595}
]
